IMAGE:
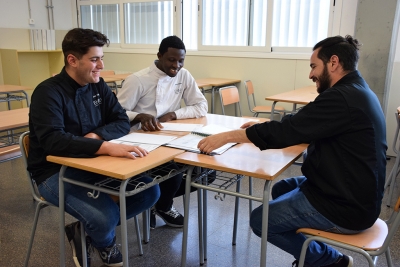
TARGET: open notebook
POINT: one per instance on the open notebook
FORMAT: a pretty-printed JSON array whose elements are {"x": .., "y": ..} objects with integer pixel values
[
  {"x": 146, "y": 141},
  {"x": 189, "y": 142}
]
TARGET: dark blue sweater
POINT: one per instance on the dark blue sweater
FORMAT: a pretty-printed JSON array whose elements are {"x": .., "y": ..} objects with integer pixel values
[
  {"x": 61, "y": 113},
  {"x": 346, "y": 161}
]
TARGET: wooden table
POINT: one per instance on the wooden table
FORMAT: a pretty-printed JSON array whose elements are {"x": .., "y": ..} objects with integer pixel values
[
  {"x": 301, "y": 96},
  {"x": 11, "y": 120},
  {"x": 8, "y": 94},
  {"x": 242, "y": 159},
  {"x": 215, "y": 83},
  {"x": 122, "y": 169},
  {"x": 114, "y": 79}
]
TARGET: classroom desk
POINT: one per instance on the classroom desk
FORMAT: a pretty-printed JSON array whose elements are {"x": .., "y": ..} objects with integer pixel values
[
  {"x": 11, "y": 120},
  {"x": 242, "y": 159},
  {"x": 122, "y": 169},
  {"x": 215, "y": 83},
  {"x": 8, "y": 94},
  {"x": 114, "y": 79},
  {"x": 301, "y": 96}
]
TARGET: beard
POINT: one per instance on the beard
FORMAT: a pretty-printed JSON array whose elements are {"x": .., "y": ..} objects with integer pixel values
[{"x": 324, "y": 81}]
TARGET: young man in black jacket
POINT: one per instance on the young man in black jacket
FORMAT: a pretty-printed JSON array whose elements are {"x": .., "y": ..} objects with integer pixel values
[
  {"x": 344, "y": 171},
  {"x": 74, "y": 114}
]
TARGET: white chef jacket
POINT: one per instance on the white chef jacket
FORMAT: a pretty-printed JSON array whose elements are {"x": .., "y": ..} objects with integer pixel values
[{"x": 153, "y": 92}]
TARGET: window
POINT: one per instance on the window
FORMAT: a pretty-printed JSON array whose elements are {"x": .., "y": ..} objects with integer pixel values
[
  {"x": 148, "y": 22},
  {"x": 215, "y": 25}
]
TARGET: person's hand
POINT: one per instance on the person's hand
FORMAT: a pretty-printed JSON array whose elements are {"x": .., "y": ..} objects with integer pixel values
[
  {"x": 149, "y": 122},
  {"x": 170, "y": 116},
  {"x": 208, "y": 144},
  {"x": 248, "y": 124},
  {"x": 93, "y": 136},
  {"x": 121, "y": 150}
]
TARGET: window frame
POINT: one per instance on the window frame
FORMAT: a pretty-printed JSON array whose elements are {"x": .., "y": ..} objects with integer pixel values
[{"x": 341, "y": 22}]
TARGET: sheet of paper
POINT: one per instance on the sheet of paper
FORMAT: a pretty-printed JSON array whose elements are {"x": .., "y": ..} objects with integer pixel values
[
  {"x": 147, "y": 147},
  {"x": 180, "y": 127},
  {"x": 144, "y": 138}
]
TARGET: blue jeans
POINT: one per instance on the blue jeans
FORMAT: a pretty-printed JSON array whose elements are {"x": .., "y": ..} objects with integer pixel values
[
  {"x": 100, "y": 216},
  {"x": 290, "y": 210}
]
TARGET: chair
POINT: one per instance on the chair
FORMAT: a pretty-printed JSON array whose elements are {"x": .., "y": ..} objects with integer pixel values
[
  {"x": 371, "y": 243},
  {"x": 391, "y": 179},
  {"x": 260, "y": 109},
  {"x": 42, "y": 203}
]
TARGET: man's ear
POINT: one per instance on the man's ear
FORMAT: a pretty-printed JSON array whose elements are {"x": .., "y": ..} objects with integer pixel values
[
  {"x": 72, "y": 60},
  {"x": 334, "y": 62}
]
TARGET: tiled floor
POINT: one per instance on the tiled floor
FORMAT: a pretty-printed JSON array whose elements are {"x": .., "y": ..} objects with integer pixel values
[{"x": 164, "y": 248}]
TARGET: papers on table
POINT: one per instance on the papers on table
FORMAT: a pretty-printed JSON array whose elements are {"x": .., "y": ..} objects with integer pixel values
[
  {"x": 189, "y": 142},
  {"x": 146, "y": 141},
  {"x": 180, "y": 127}
]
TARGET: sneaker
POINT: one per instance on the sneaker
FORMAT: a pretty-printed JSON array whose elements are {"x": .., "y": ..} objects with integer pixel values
[
  {"x": 111, "y": 256},
  {"x": 172, "y": 217},
  {"x": 153, "y": 220},
  {"x": 344, "y": 261},
  {"x": 296, "y": 264},
  {"x": 73, "y": 232}
]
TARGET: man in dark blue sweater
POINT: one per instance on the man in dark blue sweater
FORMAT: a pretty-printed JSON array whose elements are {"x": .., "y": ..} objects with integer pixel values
[
  {"x": 74, "y": 114},
  {"x": 344, "y": 171}
]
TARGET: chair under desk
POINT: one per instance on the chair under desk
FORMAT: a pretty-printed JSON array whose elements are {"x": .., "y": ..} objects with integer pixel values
[{"x": 214, "y": 83}]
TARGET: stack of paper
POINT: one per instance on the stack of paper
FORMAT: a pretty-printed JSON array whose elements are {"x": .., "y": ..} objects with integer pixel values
[
  {"x": 189, "y": 142},
  {"x": 148, "y": 142}
]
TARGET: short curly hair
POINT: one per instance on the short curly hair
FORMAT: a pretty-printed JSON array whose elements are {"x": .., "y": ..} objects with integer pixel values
[{"x": 171, "y": 41}]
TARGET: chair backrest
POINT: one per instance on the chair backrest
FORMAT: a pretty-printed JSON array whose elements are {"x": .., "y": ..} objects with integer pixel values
[
  {"x": 104, "y": 73},
  {"x": 24, "y": 145},
  {"x": 248, "y": 84},
  {"x": 230, "y": 95}
]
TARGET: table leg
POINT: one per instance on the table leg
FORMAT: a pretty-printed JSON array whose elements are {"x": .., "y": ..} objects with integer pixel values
[
  {"x": 124, "y": 231},
  {"x": 273, "y": 110},
  {"x": 212, "y": 100},
  {"x": 236, "y": 215},
  {"x": 205, "y": 181},
  {"x": 200, "y": 210},
  {"x": 263, "y": 256},
  {"x": 186, "y": 218},
  {"x": 61, "y": 206}
]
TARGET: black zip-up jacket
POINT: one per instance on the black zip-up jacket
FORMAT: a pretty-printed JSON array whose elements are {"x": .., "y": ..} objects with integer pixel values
[
  {"x": 61, "y": 113},
  {"x": 346, "y": 160}
]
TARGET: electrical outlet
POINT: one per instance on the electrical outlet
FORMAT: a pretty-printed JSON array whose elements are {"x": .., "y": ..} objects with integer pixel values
[{"x": 31, "y": 21}]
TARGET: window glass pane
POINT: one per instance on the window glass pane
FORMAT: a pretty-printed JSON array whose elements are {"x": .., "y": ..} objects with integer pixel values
[
  {"x": 189, "y": 23},
  {"x": 225, "y": 22},
  {"x": 258, "y": 23},
  {"x": 102, "y": 18},
  {"x": 148, "y": 22},
  {"x": 300, "y": 23}
]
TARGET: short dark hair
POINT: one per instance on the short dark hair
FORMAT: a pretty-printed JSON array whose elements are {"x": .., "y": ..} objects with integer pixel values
[
  {"x": 345, "y": 48},
  {"x": 78, "y": 42},
  {"x": 171, "y": 41}
]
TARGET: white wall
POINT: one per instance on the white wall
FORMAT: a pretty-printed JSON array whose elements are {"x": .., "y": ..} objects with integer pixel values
[
  {"x": 15, "y": 14},
  {"x": 393, "y": 83}
]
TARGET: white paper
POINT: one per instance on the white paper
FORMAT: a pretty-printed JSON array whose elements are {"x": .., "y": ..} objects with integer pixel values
[
  {"x": 141, "y": 138},
  {"x": 147, "y": 147},
  {"x": 180, "y": 127}
]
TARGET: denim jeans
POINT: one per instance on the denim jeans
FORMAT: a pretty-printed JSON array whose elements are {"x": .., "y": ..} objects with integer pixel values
[
  {"x": 100, "y": 216},
  {"x": 290, "y": 210}
]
